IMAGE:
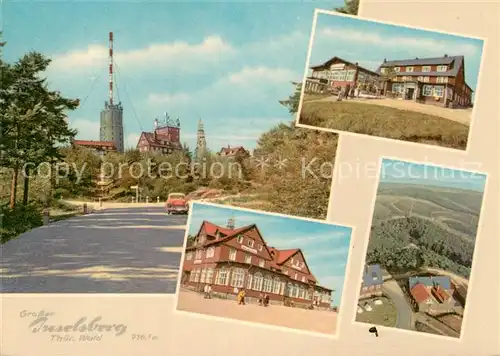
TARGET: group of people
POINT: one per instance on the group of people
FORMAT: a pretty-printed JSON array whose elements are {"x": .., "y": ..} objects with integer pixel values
[
  {"x": 263, "y": 299},
  {"x": 348, "y": 92}
]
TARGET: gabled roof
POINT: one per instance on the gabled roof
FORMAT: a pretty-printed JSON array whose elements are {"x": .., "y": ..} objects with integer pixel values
[
  {"x": 281, "y": 256},
  {"x": 443, "y": 281},
  {"x": 458, "y": 62},
  {"x": 94, "y": 143},
  {"x": 440, "y": 293},
  {"x": 420, "y": 293},
  {"x": 151, "y": 141},
  {"x": 231, "y": 150},
  {"x": 333, "y": 59}
]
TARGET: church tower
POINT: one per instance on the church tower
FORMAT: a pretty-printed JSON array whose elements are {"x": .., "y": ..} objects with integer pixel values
[{"x": 201, "y": 143}]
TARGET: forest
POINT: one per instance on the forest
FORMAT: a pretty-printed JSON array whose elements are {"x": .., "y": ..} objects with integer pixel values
[{"x": 412, "y": 243}]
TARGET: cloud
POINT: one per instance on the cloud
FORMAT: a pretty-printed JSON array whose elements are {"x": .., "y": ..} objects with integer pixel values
[
  {"x": 131, "y": 140},
  {"x": 414, "y": 43},
  {"x": 87, "y": 130},
  {"x": 178, "y": 55}
]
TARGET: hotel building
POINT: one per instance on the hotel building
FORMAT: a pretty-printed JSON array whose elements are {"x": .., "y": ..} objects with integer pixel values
[
  {"x": 439, "y": 81},
  {"x": 231, "y": 259},
  {"x": 338, "y": 73}
]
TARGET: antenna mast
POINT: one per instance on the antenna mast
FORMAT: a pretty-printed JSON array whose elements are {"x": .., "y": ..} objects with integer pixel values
[{"x": 111, "y": 68}]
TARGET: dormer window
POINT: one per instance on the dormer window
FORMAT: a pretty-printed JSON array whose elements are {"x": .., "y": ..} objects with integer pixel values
[
  {"x": 409, "y": 69},
  {"x": 239, "y": 239},
  {"x": 250, "y": 242},
  {"x": 442, "y": 68}
]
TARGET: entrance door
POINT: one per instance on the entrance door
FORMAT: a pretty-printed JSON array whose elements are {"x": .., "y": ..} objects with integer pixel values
[{"x": 409, "y": 93}]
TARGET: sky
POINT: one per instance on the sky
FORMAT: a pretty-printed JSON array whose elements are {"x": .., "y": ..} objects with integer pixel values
[
  {"x": 225, "y": 62},
  {"x": 325, "y": 246},
  {"x": 394, "y": 171},
  {"x": 369, "y": 43}
]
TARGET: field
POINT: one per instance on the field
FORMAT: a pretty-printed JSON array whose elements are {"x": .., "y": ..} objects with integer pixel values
[
  {"x": 439, "y": 224},
  {"x": 386, "y": 122}
]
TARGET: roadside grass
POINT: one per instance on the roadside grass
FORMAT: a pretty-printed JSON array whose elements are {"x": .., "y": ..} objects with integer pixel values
[
  {"x": 384, "y": 315},
  {"x": 385, "y": 122}
]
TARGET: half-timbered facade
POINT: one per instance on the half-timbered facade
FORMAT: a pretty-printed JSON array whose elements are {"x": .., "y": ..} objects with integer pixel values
[
  {"x": 231, "y": 259},
  {"x": 165, "y": 138},
  {"x": 439, "y": 81}
]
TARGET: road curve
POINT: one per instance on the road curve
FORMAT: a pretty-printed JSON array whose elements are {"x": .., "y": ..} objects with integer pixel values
[
  {"x": 133, "y": 250},
  {"x": 405, "y": 313}
]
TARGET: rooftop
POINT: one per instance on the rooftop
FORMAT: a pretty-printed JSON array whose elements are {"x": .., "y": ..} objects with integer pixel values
[
  {"x": 372, "y": 275},
  {"x": 429, "y": 282}
]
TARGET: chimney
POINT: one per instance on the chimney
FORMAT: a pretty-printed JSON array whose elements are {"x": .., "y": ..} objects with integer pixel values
[
  {"x": 357, "y": 64},
  {"x": 156, "y": 124},
  {"x": 230, "y": 223},
  {"x": 445, "y": 55},
  {"x": 385, "y": 60}
]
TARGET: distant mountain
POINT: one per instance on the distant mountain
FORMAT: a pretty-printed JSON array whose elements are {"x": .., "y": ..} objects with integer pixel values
[{"x": 424, "y": 226}]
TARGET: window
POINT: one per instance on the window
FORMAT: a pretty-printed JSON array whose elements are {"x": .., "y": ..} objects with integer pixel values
[
  {"x": 426, "y": 68},
  {"x": 198, "y": 254},
  {"x": 210, "y": 252},
  {"x": 295, "y": 291},
  {"x": 268, "y": 284},
  {"x": 261, "y": 263},
  {"x": 427, "y": 90},
  {"x": 426, "y": 79},
  {"x": 203, "y": 275},
  {"x": 350, "y": 75},
  {"x": 302, "y": 264},
  {"x": 196, "y": 275},
  {"x": 374, "y": 276},
  {"x": 223, "y": 277},
  {"x": 420, "y": 78},
  {"x": 276, "y": 285},
  {"x": 232, "y": 254},
  {"x": 285, "y": 271},
  {"x": 442, "y": 79},
  {"x": 239, "y": 239},
  {"x": 210, "y": 275},
  {"x": 409, "y": 69},
  {"x": 442, "y": 68},
  {"x": 189, "y": 256},
  {"x": 382, "y": 70},
  {"x": 260, "y": 247},
  {"x": 296, "y": 276},
  {"x": 191, "y": 276},
  {"x": 302, "y": 293},
  {"x": 438, "y": 91},
  {"x": 237, "y": 278},
  {"x": 250, "y": 243},
  {"x": 397, "y": 69},
  {"x": 303, "y": 279},
  {"x": 202, "y": 239},
  {"x": 282, "y": 288},
  {"x": 248, "y": 259},
  {"x": 249, "y": 281},
  {"x": 308, "y": 295},
  {"x": 257, "y": 282},
  {"x": 339, "y": 75}
]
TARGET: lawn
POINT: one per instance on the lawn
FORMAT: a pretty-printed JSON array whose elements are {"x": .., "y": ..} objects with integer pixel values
[
  {"x": 385, "y": 314},
  {"x": 309, "y": 97},
  {"x": 386, "y": 122}
]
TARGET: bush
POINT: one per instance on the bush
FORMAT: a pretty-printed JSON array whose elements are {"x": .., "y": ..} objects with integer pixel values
[{"x": 19, "y": 220}]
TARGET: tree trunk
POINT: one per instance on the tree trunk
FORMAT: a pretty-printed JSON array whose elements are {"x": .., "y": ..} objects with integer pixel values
[
  {"x": 26, "y": 186},
  {"x": 13, "y": 188}
]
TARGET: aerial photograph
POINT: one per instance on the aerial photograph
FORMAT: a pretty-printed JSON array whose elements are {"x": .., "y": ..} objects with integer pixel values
[
  {"x": 421, "y": 247},
  {"x": 263, "y": 268},
  {"x": 390, "y": 81}
]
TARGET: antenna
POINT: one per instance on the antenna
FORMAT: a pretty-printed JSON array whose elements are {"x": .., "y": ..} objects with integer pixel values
[{"x": 111, "y": 68}]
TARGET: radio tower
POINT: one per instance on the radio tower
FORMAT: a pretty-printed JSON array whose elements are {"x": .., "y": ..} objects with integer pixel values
[
  {"x": 111, "y": 68},
  {"x": 112, "y": 114}
]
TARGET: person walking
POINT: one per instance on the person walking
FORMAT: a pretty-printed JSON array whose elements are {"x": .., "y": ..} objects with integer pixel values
[
  {"x": 209, "y": 291},
  {"x": 241, "y": 297}
]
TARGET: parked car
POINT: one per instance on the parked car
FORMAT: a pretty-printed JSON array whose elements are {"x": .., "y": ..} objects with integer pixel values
[{"x": 176, "y": 204}]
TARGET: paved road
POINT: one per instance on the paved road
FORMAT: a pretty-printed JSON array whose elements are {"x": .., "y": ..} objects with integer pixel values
[
  {"x": 134, "y": 250},
  {"x": 405, "y": 313}
]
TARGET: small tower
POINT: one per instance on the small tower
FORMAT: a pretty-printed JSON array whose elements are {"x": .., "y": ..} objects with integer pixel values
[{"x": 201, "y": 143}]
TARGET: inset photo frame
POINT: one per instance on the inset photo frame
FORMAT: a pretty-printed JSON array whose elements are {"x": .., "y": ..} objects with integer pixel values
[
  {"x": 390, "y": 81},
  {"x": 420, "y": 254},
  {"x": 255, "y": 267}
]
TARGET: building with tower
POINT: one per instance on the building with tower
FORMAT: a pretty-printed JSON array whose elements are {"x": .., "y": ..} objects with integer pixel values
[
  {"x": 201, "y": 143},
  {"x": 165, "y": 138}
]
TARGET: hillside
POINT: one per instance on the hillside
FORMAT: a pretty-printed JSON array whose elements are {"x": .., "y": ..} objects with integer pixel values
[{"x": 417, "y": 226}]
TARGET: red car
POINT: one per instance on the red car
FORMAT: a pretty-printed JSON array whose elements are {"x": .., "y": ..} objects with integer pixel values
[{"x": 177, "y": 204}]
